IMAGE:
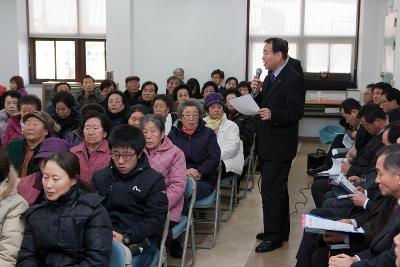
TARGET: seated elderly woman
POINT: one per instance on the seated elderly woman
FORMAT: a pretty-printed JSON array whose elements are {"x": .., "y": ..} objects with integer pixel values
[
  {"x": 208, "y": 88},
  {"x": 227, "y": 134},
  {"x": 30, "y": 187},
  {"x": 93, "y": 153},
  {"x": 106, "y": 87},
  {"x": 167, "y": 159},
  {"x": 244, "y": 88},
  {"x": 134, "y": 194},
  {"x": 62, "y": 87},
  {"x": 26, "y": 104},
  {"x": 199, "y": 144},
  {"x": 38, "y": 125},
  {"x": 135, "y": 114},
  {"x": 12, "y": 206},
  {"x": 149, "y": 91},
  {"x": 180, "y": 94},
  {"x": 162, "y": 105},
  {"x": 75, "y": 137},
  {"x": 71, "y": 228},
  {"x": 65, "y": 114},
  {"x": 11, "y": 98},
  {"x": 116, "y": 108}
]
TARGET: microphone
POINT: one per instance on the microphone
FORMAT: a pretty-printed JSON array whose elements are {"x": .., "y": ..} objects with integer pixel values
[{"x": 258, "y": 73}]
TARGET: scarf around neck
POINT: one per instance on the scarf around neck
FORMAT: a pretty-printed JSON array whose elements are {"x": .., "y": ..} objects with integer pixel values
[{"x": 213, "y": 123}]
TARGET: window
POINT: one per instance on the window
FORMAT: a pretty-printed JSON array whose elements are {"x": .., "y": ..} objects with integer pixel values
[
  {"x": 67, "y": 39},
  {"x": 321, "y": 33}
]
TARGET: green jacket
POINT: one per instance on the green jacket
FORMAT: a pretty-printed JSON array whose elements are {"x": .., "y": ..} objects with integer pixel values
[{"x": 16, "y": 152}]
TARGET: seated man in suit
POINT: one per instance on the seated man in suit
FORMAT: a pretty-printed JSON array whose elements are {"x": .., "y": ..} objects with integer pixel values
[{"x": 380, "y": 252}]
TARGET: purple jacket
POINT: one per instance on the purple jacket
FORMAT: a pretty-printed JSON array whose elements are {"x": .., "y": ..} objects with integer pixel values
[
  {"x": 169, "y": 160},
  {"x": 99, "y": 159},
  {"x": 22, "y": 91},
  {"x": 201, "y": 150},
  {"x": 13, "y": 130}
]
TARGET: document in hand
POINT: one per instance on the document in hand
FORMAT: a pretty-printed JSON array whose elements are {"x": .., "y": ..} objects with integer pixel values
[
  {"x": 319, "y": 225},
  {"x": 347, "y": 141},
  {"x": 245, "y": 105},
  {"x": 342, "y": 181}
]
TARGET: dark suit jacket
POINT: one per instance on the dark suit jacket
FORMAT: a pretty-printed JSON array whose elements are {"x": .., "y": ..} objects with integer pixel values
[
  {"x": 296, "y": 65},
  {"x": 278, "y": 137},
  {"x": 362, "y": 138},
  {"x": 380, "y": 253},
  {"x": 366, "y": 158}
]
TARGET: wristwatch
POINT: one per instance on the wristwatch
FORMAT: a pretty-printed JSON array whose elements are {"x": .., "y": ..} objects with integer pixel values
[{"x": 125, "y": 239}]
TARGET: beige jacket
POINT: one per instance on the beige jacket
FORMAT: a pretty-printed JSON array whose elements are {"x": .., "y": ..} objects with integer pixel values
[{"x": 12, "y": 205}]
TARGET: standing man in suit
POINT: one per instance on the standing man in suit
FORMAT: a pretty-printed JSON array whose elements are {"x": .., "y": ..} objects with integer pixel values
[{"x": 282, "y": 104}]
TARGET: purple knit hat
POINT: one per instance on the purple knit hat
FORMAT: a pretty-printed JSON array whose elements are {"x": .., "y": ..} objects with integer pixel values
[
  {"x": 50, "y": 146},
  {"x": 214, "y": 98}
]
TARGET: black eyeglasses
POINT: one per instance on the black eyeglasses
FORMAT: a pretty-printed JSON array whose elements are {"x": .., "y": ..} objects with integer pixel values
[{"x": 125, "y": 157}]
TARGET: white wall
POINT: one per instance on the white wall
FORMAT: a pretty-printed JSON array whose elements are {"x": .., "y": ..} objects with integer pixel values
[
  {"x": 14, "y": 40},
  {"x": 199, "y": 36}
]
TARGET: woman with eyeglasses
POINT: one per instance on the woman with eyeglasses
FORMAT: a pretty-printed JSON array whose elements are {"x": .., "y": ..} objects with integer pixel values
[
  {"x": 134, "y": 194},
  {"x": 199, "y": 144},
  {"x": 93, "y": 153}
]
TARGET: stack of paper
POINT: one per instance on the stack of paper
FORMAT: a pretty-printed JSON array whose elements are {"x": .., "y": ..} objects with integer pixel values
[
  {"x": 342, "y": 181},
  {"x": 336, "y": 168},
  {"x": 315, "y": 224}
]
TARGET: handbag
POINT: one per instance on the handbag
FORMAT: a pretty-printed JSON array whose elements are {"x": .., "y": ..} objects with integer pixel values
[{"x": 316, "y": 159}]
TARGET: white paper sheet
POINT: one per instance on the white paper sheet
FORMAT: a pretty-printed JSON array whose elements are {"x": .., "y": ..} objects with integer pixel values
[
  {"x": 336, "y": 167},
  {"x": 245, "y": 105},
  {"x": 347, "y": 141},
  {"x": 312, "y": 223}
]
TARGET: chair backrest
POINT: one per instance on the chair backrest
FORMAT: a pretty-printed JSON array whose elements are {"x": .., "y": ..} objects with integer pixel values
[{"x": 120, "y": 255}]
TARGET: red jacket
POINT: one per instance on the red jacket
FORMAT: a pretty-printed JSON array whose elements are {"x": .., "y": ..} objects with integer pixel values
[{"x": 13, "y": 131}]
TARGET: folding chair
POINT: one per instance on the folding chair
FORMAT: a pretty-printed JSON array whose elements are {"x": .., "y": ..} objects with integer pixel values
[
  {"x": 160, "y": 259},
  {"x": 120, "y": 255},
  {"x": 251, "y": 162},
  {"x": 186, "y": 223},
  {"x": 212, "y": 202},
  {"x": 230, "y": 182}
]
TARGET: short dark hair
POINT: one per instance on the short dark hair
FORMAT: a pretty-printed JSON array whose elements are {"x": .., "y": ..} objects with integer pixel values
[
  {"x": 165, "y": 98},
  {"x": 158, "y": 121},
  {"x": 371, "y": 112},
  {"x": 92, "y": 107},
  {"x": 382, "y": 86},
  {"x": 279, "y": 45},
  {"x": 18, "y": 80},
  {"x": 137, "y": 108},
  {"x": 371, "y": 85},
  {"x": 116, "y": 92},
  {"x": 104, "y": 120},
  {"x": 193, "y": 83},
  {"x": 393, "y": 129},
  {"x": 30, "y": 100},
  {"x": 150, "y": 83},
  {"x": 87, "y": 76},
  {"x": 209, "y": 83},
  {"x": 392, "y": 157},
  {"x": 393, "y": 115},
  {"x": 245, "y": 84},
  {"x": 132, "y": 78},
  {"x": 66, "y": 97},
  {"x": 61, "y": 83},
  {"x": 349, "y": 104},
  {"x": 107, "y": 83},
  {"x": 392, "y": 94},
  {"x": 218, "y": 72},
  {"x": 180, "y": 87},
  {"x": 4, "y": 164},
  {"x": 12, "y": 94},
  {"x": 230, "y": 79},
  {"x": 170, "y": 78},
  {"x": 127, "y": 136},
  {"x": 234, "y": 91}
]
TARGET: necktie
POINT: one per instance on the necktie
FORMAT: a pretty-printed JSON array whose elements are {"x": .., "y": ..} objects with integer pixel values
[{"x": 272, "y": 77}]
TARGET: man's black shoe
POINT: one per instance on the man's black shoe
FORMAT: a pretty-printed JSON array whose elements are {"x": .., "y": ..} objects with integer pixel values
[
  {"x": 175, "y": 249},
  {"x": 267, "y": 246},
  {"x": 313, "y": 172},
  {"x": 260, "y": 236}
]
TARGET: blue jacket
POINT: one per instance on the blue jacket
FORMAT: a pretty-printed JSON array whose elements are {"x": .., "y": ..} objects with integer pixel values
[{"x": 201, "y": 150}]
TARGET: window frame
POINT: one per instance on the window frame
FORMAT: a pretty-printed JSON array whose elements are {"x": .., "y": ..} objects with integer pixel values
[
  {"x": 80, "y": 57},
  {"x": 313, "y": 80}
]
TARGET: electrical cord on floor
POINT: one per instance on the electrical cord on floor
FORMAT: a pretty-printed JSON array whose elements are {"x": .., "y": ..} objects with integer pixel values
[
  {"x": 304, "y": 203},
  {"x": 301, "y": 202}
]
